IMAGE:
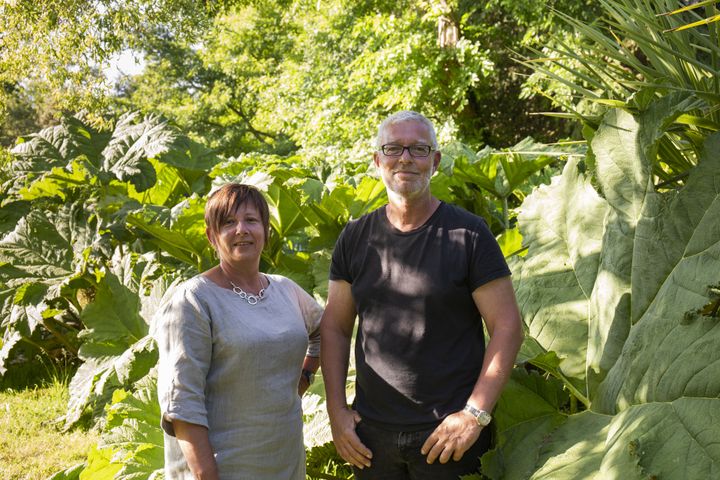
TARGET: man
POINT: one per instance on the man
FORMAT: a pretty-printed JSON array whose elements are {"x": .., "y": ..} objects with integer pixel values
[{"x": 421, "y": 275}]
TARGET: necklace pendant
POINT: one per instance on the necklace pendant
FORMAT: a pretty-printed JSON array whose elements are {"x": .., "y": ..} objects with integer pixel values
[{"x": 248, "y": 297}]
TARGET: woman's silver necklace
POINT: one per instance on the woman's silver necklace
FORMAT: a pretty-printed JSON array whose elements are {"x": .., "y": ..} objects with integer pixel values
[{"x": 248, "y": 297}]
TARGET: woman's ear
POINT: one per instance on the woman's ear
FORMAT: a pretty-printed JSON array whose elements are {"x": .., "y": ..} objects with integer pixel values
[{"x": 210, "y": 236}]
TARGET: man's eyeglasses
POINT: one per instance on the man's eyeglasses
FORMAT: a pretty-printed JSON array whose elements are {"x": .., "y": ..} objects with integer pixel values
[{"x": 394, "y": 150}]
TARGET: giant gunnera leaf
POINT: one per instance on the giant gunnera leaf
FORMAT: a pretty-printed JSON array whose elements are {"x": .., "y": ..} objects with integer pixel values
[
  {"x": 616, "y": 285},
  {"x": 116, "y": 349},
  {"x": 38, "y": 258}
]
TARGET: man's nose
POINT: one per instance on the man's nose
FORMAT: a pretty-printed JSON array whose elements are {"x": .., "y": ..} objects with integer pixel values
[{"x": 405, "y": 155}]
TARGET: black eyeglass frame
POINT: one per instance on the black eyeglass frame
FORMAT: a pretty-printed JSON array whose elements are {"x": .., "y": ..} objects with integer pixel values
[{"x": 408, "y": 148}]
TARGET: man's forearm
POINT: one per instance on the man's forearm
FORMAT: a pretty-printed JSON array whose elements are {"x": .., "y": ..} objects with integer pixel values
[
  {"x": 496, "y": 303},
  {"x": 334, "y": 363},
  {"x": 498, "y": 363},
  {"x": 336, "y": 329}
]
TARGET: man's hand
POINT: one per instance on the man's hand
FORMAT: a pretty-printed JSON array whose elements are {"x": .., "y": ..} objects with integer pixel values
[
  {"x": 347, "y": 443},
  {"x": 453, "y": 437}
]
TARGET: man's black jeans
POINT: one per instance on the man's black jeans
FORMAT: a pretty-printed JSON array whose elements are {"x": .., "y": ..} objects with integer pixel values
[{"x": 396, "y": 456}]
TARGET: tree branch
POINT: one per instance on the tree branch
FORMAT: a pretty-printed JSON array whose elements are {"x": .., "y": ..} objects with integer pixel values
[{"x": 256, "y": 133}]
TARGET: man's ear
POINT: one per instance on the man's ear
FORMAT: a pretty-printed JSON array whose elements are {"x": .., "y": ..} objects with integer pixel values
[
  {"x": 436, "y": 161},
  {"x": 376, "y": 159}
]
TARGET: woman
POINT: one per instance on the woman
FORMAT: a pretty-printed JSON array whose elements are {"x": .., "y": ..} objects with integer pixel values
[{"x": 232, "y": 342}]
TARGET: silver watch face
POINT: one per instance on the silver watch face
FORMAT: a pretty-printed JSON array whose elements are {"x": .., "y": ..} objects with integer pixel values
[{"x": 483, "y": 418}]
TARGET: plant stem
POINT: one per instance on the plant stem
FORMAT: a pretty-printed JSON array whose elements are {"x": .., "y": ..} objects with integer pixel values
[
  {"x": 672, "y": 180},
  {"x": 36, "y": 345},
  {"x": 61, "y": 338},
  {"x": 506, "y": 220}
]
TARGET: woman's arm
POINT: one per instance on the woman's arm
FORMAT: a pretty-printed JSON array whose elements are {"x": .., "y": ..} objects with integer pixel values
[
  {"x": 184, "y": 337},
  {"x": 195, "y": 444},
  {"x": 311, "y": 364}
]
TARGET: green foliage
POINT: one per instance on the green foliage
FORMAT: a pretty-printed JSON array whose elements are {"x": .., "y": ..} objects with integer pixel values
[
  {"x": 63, "y": 223},
  {"x": 116, "y": 350},
  {"x": 132, "y": 430},
  {"x": 632, "y": 57},
  {"x": 279, "y": 77},
  {"x": 332, "y": 72},
  {"x": 616, "y": 270},
  {"x": 178, "y": 231},
  {"x": 116, "y": 238},
  {"x": 470, "y": 177},
  {"x": 63, "y": 46},
  {"x": 131, "y": 442}
]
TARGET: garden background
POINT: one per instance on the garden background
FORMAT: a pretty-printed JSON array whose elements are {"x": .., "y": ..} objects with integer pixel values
[{"x": 584, "y": 132}]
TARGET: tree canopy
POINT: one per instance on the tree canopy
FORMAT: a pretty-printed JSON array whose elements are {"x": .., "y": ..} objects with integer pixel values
[{"x": 281, "y": 75}]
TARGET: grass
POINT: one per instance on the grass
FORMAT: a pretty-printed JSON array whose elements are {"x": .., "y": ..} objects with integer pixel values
[{"x": 32, "y": 445}]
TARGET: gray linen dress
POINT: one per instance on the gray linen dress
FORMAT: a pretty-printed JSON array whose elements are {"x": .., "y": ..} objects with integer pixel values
[{"x": 234, "y": 368}]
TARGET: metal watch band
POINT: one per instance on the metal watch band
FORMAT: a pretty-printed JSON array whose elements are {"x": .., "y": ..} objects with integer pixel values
[{"x": 482, "y": 417}]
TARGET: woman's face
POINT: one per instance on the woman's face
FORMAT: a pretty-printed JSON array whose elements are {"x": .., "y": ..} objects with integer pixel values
[{"x": 241, "y": 237}]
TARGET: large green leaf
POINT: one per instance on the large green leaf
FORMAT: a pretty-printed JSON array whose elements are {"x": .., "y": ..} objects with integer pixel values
[
  {"x": 179, "y": 231},
  {"x": 287, "y": 215},
  {"x": 653, "y": 383},
  {"x": 625, "y": 148},
  {"x": 10, "y": 215},
  {"x": 675, "y": 439},
  {"x": 657, "y": 440},
  {"x": 39, "y": 247},
  {"x": 38, "y": 259},
  {"x": 527, "y": 412},
  {"x": 181, "y": 171},
  {"x": 71, "y": 473},
  {"x": 675, "y": 260},
  {"x": 562, "y": 223},
  {"x": 168, "y": 188},
  {"x": 576, "y": 449},
  {"x": 189, "y": 155},
  {"x": 499, "y": 172},
  {"x": 112, "y": 320},
  {"x": 58, "y": 146},
  {"x": 116, "y": 350},
  {"x": 127, "y": 153},
  {"x": 133, "y": 432},
  {"x": 11, "y": 338},
  {"x": 58, "y": 182},
  {"x": 100, "y": 466}
]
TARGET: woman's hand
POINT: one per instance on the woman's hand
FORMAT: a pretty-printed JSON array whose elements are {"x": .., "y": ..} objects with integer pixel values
[
  {"x": 310, "y": 365},
  {"x": 303, "y": 385}
]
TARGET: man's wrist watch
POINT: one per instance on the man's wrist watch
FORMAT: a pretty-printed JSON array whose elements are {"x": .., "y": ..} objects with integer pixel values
[
  {"x": 482, "y": 417},
  {"x": 309, "y": 376}
]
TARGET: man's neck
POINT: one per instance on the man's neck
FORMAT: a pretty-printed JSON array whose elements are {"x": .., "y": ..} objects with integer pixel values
[{"x": 407, "y": 214}]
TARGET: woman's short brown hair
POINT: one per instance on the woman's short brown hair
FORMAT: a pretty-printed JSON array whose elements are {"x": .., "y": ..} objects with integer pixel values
[{"x": 225, "y": 201}]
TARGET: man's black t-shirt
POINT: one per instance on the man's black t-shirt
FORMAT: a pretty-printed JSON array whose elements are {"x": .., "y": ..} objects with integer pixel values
[{"x": 420, "y": 342}]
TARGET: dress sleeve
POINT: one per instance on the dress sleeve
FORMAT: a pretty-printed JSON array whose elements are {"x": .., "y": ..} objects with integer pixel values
[
  {"x": 184, "y": 339},
  {"x": 311, "y": 312}
]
